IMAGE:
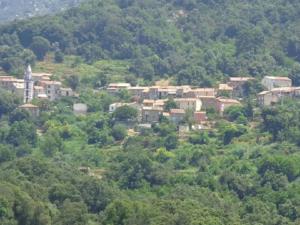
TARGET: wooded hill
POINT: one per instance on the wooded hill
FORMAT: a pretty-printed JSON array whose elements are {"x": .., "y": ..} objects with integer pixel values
[{"x": 195, "y": 41}]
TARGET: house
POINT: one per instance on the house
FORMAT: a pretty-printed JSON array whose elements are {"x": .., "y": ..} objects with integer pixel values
[
  {"x": 52, "y": 89},
  {"x": 114, "y": 106},
  {"x": 199, "y": 92},
  {"x": 66, "y": 92},
  {"x": 193, "y": 104},
  {"x": 116, "y": 87},
  {"x": 270, "y": 82},
  {"x": 151, "y": 114},
  {"x": 32, "y": 109},
  {"x": 225, "y": 90},
  {"x": 148, "y": 102},
  {"x": 167, "y": 92},
  {"x": 153, "y": 103},
  {"x": 222, "y": 104},
  {"x": 200, "y": 117},
  {"x": 137, "y": 92},
  {"x": 40, "y": 76},
  {"x": 80, "y": 109},
  {"x": 153, "y": 92},
  {"x": 267, "y": 98},
  {"x": 18, "y": 89},
  {"x": 208, "y": 102},
  {"x": 237, "y": 83},
  {"x": 39, "y": 91},
  {"x": 6, "y": 82},
  {"x": 177, "y": 115},
  {"x": 182, "y": 91}
]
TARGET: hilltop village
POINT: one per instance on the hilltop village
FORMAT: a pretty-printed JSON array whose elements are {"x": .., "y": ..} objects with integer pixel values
[{"x": 175, "y": 103}]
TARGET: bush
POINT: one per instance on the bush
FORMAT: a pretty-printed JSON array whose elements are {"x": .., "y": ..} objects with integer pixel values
[{"x": 119, "y": 132}]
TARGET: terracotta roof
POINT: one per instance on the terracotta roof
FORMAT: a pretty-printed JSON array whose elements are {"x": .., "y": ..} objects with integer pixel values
[
  {"x": 138, "y": 88},
  {"x": 148, "y": 101},
  {"x": 185, "y": 99},
  {"x": 28, "y": 105},
  {"x": 41, "y": 74},
  {"x": 203, "y": 89},
  {"x": 207, "y": 97},
  {"x": 225, "y": 87},
  {"x": 200, "y": 113},
  {"x": 264, "y": 93},
  {"x": 241, "y": 78},
  {"x": 283, "y": 89},
  {"x": 50, "y": 82},
  {"x": 38, "y": 87},
  {"x": 153, "y": 108},
  {"x": 226, "y": 100},
  {"x": 278, "y": 78},
  {"x": 177, "y": 111}
]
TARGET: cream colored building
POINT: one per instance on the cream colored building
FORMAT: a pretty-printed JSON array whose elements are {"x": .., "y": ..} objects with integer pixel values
[
  {"x": 270, "y": 82},
  {"x": 267, "y": 98},
  {"x": 189, "y": 103}
]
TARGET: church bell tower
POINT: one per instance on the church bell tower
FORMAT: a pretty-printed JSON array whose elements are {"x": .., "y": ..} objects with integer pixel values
[{"x": 28, "y": 85}]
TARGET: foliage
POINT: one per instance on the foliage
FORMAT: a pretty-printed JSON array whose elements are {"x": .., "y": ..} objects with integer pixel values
[{"x": 124, "y": 113}]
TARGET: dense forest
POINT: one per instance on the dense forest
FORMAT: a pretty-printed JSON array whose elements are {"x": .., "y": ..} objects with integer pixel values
[
  {"x": 194, "y": 41},
  {"x": 64, "y": 169}
]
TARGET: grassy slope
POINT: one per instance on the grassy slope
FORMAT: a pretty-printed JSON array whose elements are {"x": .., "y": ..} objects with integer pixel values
[{"x": 72, "y": 65}]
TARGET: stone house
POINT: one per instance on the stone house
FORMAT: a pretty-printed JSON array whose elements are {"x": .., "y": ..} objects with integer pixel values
[
  {"x": 199, "y": 92},
  {"x": 113, "y": 88},
  {"x": 151, "y": 114},
  {"x": 222, "y": 104},
  {"x": 267, "y": 98},
  {"x": 40, "y": 76},
  {"x": 208, "y": 102},
  {"x": 66, "y": 92},
  {"x": 80, "y": 109},
  {"x": 193, "y": 104},
  {"x": 177, "y": 115},
  {"x": 39, "y": 91},
  {"x": 237, "y": 83},
  {"x": 270, "y": 82},
  {"x": 52, "y": 89},
  {"x": 225, "y": 89},
  {"x": 137, "y": 92}
]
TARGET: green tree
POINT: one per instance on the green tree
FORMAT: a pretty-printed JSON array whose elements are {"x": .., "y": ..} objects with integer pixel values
[
  {"x": 40, "y": 46},
  {"x": 58, "y": 57},
  {"x": 125, "y": 113},
  {"x": 119, "y": 132},
  {"x": 22, "y": 133}
]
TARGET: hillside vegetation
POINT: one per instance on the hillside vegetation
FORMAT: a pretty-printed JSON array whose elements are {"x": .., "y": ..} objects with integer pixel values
[
  {"x": 194, "y": 41},
  {"x": 65, "y": 169}
]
